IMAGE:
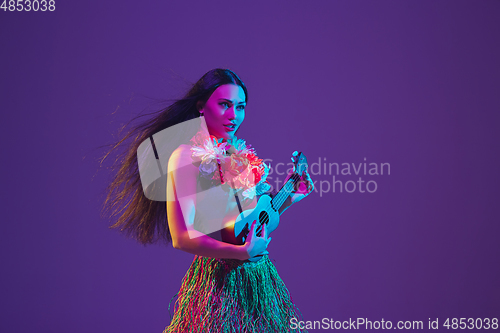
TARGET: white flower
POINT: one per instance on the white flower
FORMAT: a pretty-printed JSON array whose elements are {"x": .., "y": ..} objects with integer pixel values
[
  {"x": 241, "y": 146},
  {"x": 209, "y": 151},
  {"x": 249, "y": 193},
  {"x": 262, "y": 188}
]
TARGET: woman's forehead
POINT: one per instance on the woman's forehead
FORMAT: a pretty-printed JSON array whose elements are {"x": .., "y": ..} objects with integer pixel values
[{"x": 231, "y": 92}]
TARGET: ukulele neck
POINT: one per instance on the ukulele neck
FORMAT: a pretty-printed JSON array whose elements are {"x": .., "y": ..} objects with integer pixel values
[{"x": 287, "y": 188}]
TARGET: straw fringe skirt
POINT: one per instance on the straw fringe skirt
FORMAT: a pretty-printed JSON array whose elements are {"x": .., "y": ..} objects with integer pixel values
[{"x": 227, "y": 295}]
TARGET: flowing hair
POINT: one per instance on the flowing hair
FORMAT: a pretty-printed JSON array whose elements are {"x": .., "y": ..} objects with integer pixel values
[{"x": 139, "y": 217}]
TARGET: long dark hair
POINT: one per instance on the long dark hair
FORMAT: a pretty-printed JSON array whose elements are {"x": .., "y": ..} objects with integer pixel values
[{"x": 139, "y": 217}]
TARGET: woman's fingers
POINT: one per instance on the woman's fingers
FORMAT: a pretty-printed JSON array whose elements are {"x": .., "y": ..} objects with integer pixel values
[
  {"x": 252, "y": 227},
  {"x": 264, "y": 231},
  {"x": 294, "y": 159},
  {"x": 311, "y": 183},
  {"x": 307, "y": 180},
  {"x": 255, "y": 244},
  {"x": 251, "y": 232}
]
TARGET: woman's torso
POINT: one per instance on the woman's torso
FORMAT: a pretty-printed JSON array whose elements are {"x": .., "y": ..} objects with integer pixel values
[{"x": 216, "y": 206}]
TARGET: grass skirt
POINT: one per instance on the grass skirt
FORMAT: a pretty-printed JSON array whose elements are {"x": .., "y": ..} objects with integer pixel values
[{"x": 228, "y": 295}]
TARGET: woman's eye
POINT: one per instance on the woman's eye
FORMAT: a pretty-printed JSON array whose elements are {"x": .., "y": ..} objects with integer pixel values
[{"x": 241, "y": 107}]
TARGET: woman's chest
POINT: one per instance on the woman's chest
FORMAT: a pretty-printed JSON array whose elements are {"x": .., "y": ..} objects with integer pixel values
[
  {"x": 218, "y": 205},
  {"x": 215, "y": 208}
]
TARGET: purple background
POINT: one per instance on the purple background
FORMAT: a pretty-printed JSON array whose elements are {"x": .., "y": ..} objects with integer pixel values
[{"x": 410, "y": 83}]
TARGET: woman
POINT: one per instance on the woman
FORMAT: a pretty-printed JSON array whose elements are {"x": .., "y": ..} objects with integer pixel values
[{"x": 212, "y": 176}]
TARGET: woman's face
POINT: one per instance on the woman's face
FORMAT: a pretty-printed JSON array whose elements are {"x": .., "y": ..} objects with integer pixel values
[{"x": 224, "y": 111}]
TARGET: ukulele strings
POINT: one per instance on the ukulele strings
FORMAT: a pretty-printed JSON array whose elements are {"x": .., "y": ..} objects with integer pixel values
[{"x": 281, "y": 197}]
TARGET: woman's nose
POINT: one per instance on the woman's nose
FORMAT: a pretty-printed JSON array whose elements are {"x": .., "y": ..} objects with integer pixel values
[{"x": 231, "y": 112}]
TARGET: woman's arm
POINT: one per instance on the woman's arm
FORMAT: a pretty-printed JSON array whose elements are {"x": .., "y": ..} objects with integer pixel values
[{"x": 181, "y": 204}]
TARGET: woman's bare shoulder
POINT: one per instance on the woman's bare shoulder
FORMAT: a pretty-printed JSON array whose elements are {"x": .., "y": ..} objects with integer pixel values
[
  {"x": 183, "y": 149},
  {"x": 181, "y": 157}
]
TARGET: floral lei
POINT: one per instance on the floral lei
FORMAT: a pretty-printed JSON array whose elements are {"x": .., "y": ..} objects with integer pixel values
[{"x": 242, "y": 169}]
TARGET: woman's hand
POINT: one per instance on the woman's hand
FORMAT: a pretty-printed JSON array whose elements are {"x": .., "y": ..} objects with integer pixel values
[
  {"x": 305, "y": 186},
  {"x": 254, "y": 244}
]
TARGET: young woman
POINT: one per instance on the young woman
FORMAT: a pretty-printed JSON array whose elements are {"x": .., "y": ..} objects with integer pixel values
[{"x": 212, "y": 176}]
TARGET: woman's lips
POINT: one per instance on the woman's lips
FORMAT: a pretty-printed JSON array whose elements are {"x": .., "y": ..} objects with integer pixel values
[{"x": 229, "y": 128}]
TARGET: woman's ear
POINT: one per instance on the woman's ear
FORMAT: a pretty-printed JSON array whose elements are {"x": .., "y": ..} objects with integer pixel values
[{"x": 200, "y": 105}]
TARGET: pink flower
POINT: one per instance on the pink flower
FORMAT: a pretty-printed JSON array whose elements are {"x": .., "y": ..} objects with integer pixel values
[{"x": 241, "y": 170}]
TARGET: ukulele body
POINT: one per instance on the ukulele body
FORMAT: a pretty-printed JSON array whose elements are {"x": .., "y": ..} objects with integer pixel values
[{"x": 263, "y": 212}]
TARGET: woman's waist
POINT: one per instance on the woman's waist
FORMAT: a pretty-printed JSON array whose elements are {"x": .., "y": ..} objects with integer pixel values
[{"x": 255, "y": 262}]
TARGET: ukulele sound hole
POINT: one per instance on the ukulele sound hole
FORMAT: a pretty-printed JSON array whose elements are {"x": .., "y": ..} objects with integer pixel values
[{"x": 263, "y": 219}]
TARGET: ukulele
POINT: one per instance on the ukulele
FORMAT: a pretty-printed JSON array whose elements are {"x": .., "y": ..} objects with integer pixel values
[{"x": 266, "y": 211}]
